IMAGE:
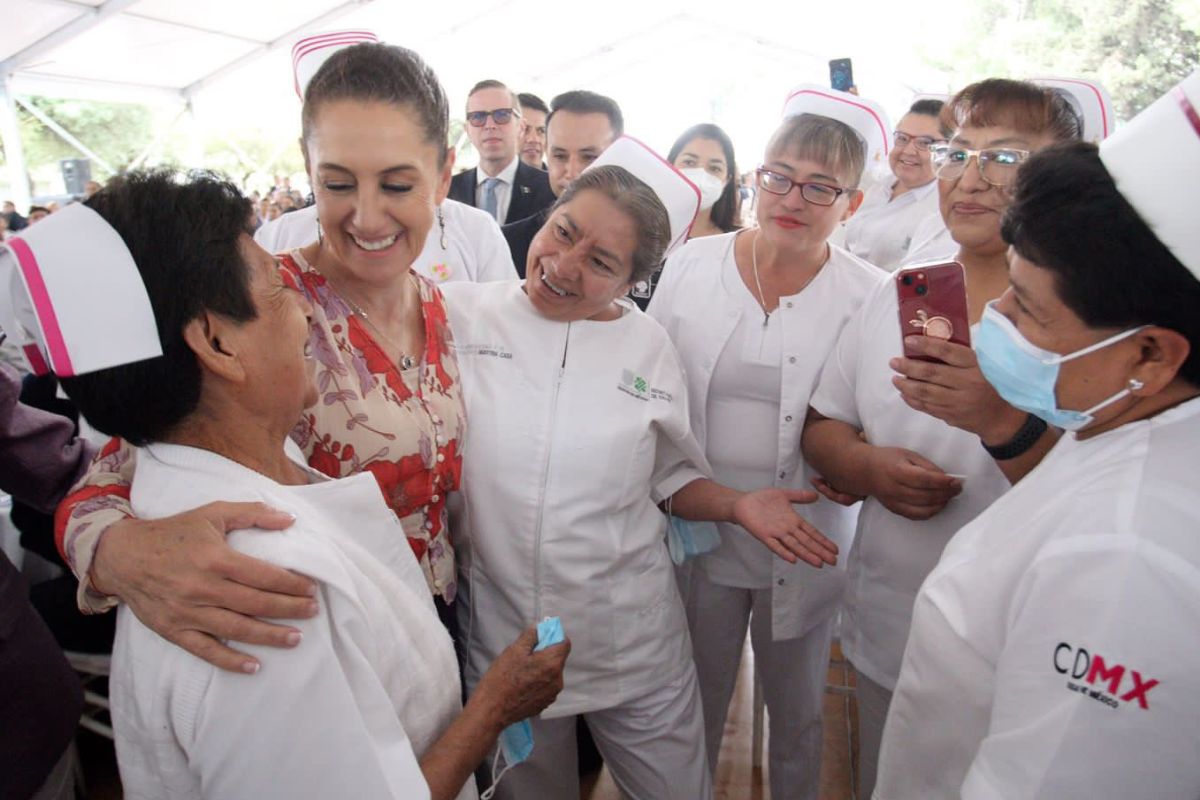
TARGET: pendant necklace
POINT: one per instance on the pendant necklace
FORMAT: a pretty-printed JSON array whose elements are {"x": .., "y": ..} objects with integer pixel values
[
  {"x": 406, "y": 362},
  {"x": 762, "y": 298}
]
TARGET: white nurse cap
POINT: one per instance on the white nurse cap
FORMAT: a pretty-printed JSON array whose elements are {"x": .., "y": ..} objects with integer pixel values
[
  {"x": 679, "y": 195},
  {"x": 75, "y": 300},
  {"x": 311, "y": 52},
  {"x": 865, "y": 117},
  {"x": 1089, "y": 101},
  {"x": 1155, "y": 161}
]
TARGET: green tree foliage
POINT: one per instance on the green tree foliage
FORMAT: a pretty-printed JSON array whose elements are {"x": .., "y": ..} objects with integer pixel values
[
  {"x": 116, "y": 132},
  {"x": 1138, "y": 49}
]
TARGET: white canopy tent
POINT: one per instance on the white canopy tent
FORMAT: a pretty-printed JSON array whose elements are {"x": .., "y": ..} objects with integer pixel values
[{"x": 669, "y": 64}]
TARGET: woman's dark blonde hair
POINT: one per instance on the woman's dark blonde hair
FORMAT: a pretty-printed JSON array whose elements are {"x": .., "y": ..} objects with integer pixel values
[
  {"x": 826, "y": 141},
  {"x": 640, "y": 203}
]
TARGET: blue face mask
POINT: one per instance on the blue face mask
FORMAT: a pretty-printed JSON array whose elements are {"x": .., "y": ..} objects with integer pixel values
[
  {"x": 688, "y": 539},
  {"x": 516, "y": 741},
  {"x": 1025, "y": 375}
]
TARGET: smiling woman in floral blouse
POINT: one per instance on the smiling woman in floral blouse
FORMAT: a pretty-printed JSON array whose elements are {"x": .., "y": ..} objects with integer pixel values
[{"x": 374, "y": 133}]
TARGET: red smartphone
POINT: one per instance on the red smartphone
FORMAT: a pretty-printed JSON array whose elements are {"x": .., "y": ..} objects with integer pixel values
[{"x": 933, "y": 302}]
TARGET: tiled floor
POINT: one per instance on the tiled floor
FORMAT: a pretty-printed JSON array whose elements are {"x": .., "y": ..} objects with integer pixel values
[{"x": 737, "y": 777}]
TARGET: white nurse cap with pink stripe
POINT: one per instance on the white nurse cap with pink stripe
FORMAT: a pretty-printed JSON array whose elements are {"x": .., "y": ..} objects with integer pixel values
[
  {"x": 311, "y": 52},
  {"x": 1090, "y": 102},
  {"x": 1155, "y": 161},
  {"x": 75, "y": 302},
  {"x": 678, "y": 195},
  {"x": 865, "y": 117}
]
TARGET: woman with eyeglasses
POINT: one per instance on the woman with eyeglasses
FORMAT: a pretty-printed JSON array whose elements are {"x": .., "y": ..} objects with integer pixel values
[
  {"x": 922, "y": 478},
  {"x": 1053, "y": 648},
  {"x": 882, "y": 230},
  {"x": 754, "y": 314}
]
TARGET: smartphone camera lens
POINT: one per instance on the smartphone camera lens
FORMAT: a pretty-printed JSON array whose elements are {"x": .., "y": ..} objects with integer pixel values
[
  {"x": 906, "y": 280},
  {"x": 921, "y": 290}
]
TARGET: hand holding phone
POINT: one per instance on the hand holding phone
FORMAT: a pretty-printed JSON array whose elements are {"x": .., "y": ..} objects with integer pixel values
[
  {"x": 841, "y": 74},
  {"x": 932, "y": 299}
]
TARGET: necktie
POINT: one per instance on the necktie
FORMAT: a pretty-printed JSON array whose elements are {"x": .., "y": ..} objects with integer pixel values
[{"x": 490, "y": 203}]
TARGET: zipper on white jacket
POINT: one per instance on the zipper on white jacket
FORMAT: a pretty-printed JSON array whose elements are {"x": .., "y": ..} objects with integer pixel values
[{"x": 537, "y": 531}]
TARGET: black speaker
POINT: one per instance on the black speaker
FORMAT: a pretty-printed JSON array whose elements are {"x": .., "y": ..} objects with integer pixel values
[{"x": 76, "y": 173}]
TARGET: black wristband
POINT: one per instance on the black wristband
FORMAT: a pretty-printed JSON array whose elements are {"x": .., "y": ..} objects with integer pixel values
[{"x": 1026, "y": 437}]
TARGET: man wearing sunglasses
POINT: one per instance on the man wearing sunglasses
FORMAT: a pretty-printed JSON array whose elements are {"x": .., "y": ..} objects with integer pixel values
[{"x": 502, "y": 185}]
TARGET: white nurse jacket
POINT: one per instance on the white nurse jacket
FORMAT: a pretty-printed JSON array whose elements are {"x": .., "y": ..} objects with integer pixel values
[
  {"x": 574, "y": 432},
  {"x": 1054, "y": 650},
  {"x": 694, "y": 306}
]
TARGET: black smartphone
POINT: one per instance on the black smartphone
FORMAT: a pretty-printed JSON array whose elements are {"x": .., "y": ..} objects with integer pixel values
[{"x": 841, "y": 74}]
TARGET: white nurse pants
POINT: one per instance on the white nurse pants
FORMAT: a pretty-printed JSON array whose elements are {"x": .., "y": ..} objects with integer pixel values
[
  {"x": 792, "y": 671},
  {"x": 653, "y": 747}
]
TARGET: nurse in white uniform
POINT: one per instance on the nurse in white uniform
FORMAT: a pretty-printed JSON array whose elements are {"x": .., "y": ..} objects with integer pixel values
[
  {"x": 1053, "y": 649},
  {"x": 882, "y": 230},
  {"x": 579, "y": 426},
  {"x": 907, "y": 466},
  {"x": 754, "y": 315}
]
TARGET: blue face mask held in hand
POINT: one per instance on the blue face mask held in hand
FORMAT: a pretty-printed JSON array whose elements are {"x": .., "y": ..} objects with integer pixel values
[
  {"x": 516, "y": 741},
  {"x": 689, "y": 538}
]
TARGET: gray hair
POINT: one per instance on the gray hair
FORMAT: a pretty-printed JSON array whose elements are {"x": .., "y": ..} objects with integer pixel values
[{"x": 640, "y": 203}]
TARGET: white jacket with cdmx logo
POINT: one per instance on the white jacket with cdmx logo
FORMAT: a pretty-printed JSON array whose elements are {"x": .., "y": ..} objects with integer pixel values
[
  {"x": 574, "y": 432},
  {"x": 1054, "y": 648}
]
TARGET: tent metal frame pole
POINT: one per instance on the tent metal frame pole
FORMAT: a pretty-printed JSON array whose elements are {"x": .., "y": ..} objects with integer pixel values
[
  {"x": 88, "y": 19},
  {"x": 64, "y": 134},
  {"x": 14, "y": 152}
]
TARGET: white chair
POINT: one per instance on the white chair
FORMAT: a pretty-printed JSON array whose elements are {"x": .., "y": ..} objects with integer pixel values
[{"x": 92, "y": 669}]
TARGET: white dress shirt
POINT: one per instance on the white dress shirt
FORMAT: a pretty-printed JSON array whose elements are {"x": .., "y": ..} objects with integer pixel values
[{"x": 503, "y": 189}]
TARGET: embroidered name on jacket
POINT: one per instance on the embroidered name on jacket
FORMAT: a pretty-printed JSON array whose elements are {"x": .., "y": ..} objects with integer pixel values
[
  {"x": 639, "y": 387},
  {"x": 1108, "y": 683},
  {"x": 494, "y": 350}
]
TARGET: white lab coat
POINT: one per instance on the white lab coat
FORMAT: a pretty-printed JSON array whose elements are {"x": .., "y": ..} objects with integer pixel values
[
  {"x": 931, "y": 242},
  {"x": 882, "y": 229},
  {"x": 892, "y": 554},
  {"x": 347, "y": 713},
  {"x": 698, "y": 314},
  {"x": 1054, "y": 649},
  {"x": 575, "y": 431},
  {"x": 475, "y": 249}
]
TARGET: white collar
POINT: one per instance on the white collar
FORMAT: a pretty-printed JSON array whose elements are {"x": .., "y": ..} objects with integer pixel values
[{"x": 508, "y": 175}]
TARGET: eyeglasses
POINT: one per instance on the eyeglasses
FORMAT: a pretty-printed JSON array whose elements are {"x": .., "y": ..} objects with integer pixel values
[
  {"x": 901, "y": 139},
  {"x": 819, "y": 194},
  {"x": 997, "y": 165},
  {"x": 502, "y": 116}
]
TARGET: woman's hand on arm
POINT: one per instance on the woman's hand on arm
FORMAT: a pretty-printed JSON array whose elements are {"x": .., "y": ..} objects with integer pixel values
[
  {"x": 906, "y": 483},
  {"x": 956, "y": 392},
  {"x": 185, "y": 583},
  {"x": 520, "y": 684},
  {"x": 766, "y": 514}
]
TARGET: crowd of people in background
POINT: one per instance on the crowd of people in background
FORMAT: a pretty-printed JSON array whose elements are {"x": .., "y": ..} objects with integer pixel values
[{"x": 668, "y": 401}]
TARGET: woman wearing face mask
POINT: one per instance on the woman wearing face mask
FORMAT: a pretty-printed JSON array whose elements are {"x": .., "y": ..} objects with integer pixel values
[
  {"x": 754, "y": 315},
  {"x": 704, "y": 154},
  {"x": 578, "y": 400},
  {"x": 922, "y": 478},
  {"x": 1052, "y": 651},
  {"x": 374, "y": 130},
  {"x": 882, "y": 230}
]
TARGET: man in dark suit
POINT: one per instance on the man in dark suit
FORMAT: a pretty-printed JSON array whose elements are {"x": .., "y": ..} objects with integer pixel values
[
  {"x": 580, "y": 126},
  {"x": 501, "y": 185}
]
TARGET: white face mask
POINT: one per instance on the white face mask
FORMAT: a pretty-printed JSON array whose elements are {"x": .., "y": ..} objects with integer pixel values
[{"x": 710, "y": 186}]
